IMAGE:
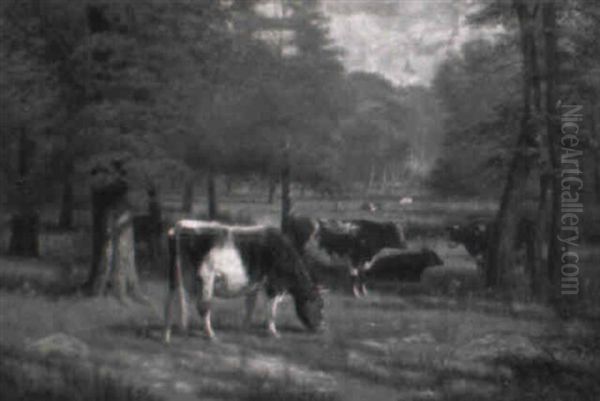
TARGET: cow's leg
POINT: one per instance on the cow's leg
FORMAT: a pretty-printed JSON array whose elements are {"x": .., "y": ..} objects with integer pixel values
[
  {"x": 250, "y": 304},
  {"x": 362, "y": 278},
  {"x": 355, "y": 280},
  {"x": 204, "y": 300},
  {"x": 183, "y": 310},
  {"x": 272, "y": 314},
  {"x": 169, "y": 314}
]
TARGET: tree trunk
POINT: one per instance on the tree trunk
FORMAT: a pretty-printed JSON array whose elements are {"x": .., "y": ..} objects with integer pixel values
[
  {"x": 286, "y": 200},
  {"x": 24, "y": 227},
  {"x": 228, "y": 185},
  {"x": 65, "y": 218},
  {"x": 500, "y": 256},
  {"x": 155, "y": 225},
  {"x": 538, "y": 277},
  {"x": 536, "y": 239},
  {"x": 553, "y": 130},
  {"x": 211, "y": 188},
  {"x": 113, "y": 257},
  {"x": 371, "y": 179},
  {"x": 187, "y": 201}
]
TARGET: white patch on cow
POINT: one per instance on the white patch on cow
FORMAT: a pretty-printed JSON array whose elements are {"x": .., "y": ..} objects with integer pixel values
[{"x": 225, "y": 265}]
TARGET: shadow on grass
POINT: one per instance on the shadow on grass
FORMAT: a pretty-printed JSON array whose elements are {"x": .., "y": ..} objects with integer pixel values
[
  {"x": 52, "y": 286},
  {"x": 24, "y": 376},
  {"x": 550, "y": 380}
]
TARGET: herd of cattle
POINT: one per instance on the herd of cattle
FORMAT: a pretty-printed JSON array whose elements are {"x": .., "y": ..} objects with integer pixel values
[{"x": 210, "y": 259}]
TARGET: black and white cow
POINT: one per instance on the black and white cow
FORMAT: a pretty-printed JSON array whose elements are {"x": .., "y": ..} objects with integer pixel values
[
  {"x": 209, "y": 259},
  {"x": 402, "y": 264},
  {"x": 357, "y": 241}
]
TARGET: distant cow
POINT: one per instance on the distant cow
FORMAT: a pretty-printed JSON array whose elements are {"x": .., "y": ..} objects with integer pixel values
[
  {"x": 232, "y": 261},
  {"x": 402, "y": 265},
  {"x": 357, "y": 241},
  {"x": 475, "y": 236}
]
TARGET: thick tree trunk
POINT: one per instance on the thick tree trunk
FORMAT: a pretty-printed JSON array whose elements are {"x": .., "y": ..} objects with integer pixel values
[
  {"x": 501, "y": 254},
  {"x": 113, "y": 257},
  {"x": 553, "y": 130},
  {"x": 286, "y": 200},
  {"x": 187, "y": 200},
  {"x": 211, "y": 190}
]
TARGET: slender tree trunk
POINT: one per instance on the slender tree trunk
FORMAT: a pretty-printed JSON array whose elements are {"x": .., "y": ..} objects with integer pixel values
[
  {"x": 65, "y": 218},
  {"x": 187, "y": 201},
  {"x": 286, "y": 200},
  {"x": 228, "y": 185},
  {"x": 211, "y": 190},
  {"x": 536, "y": 239},
  {"x": 501, "y": 253},
  {"x": 371, "y": 179},
  {"x": 24, "y": 226},
  {"x": 554, "y": 146},
  {"x": 538, "y": 277},
  {"x": 155, "y": 224}
]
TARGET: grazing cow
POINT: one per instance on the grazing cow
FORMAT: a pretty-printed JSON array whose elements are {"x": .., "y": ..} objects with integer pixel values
[
  {"x": 402, "y": 265},
  {"x": 357, "y": 241},
  {"x": 232, "y": 261}
]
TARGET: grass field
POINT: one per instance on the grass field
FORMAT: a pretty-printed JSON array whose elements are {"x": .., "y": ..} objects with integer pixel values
[{"x": 442, "y": 339}]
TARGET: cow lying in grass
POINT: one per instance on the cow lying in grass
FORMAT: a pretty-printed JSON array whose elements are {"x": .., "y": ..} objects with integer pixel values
[
  {"x": 402, "y": 265},
  {"x": 233, "y": 261},
  {"x": 357, "y": 241}
]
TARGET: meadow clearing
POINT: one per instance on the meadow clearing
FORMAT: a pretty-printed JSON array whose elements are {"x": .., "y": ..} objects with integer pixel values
[{"x": 444, "y": 338}]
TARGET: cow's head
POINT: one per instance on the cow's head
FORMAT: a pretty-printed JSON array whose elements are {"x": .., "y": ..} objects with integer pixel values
[
  {"x": 432, "y": 258},
  {"x": 455, "y": 235},
  {"x": 310, "y": 309}
]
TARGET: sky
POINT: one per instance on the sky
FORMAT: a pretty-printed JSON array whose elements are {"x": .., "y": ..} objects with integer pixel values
[{"x": 404, "y": 40}]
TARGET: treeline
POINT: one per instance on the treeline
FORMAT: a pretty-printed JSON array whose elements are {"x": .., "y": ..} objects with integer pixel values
[
  {"x": 481, "y": 95},
  {"x": 506, "y": 102},
  {"x": 176, "y": 91}
]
